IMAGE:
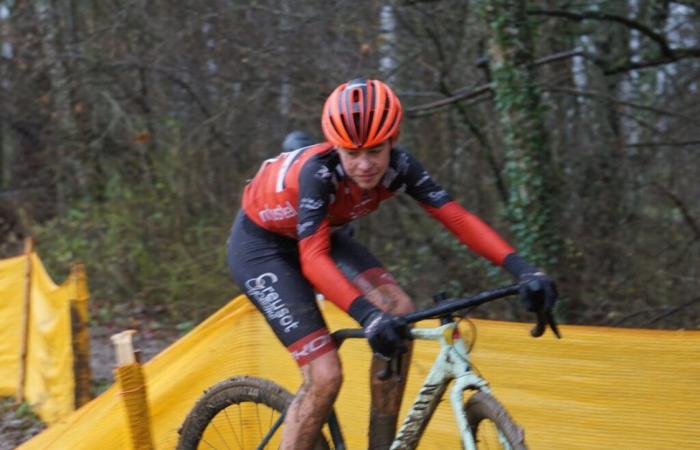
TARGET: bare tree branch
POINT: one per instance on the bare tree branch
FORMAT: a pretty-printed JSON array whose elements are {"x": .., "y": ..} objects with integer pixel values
[
  {"x": 476, "y": 92},
  {"x": 581, "y": 93},
  {"x": 689, "y": 219},
  {"x": 596, "y": 15},
  {"x": 560, "y": 56},
  {"x": 667, "y": 54},
  {"x": 672, "y": 311},
  {"x": 665, "y": 312},
  {"x": 429, "y": 108},
  {"x": 663, "y": 144},
  {"x": 469, "y": 93},
  {"x": 678, "y": 54}
]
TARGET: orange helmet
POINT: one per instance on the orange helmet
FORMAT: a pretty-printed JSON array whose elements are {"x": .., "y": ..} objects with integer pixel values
[{"x": 361, "y": 113}]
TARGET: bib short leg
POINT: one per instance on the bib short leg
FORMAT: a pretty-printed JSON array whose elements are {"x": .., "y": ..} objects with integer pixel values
[{"x": 266, "y": 266}]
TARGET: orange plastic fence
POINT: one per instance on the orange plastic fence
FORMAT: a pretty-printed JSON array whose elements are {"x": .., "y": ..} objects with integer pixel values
[
  {"x": 49, "y": 381},
  {"x": 598, "y": 388}
]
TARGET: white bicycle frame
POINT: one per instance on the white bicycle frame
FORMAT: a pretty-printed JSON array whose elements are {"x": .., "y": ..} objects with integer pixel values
[{"x": 452, "y": 363}]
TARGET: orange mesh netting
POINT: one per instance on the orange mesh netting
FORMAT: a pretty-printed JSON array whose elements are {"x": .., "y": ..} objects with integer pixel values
[
  {"x": 49, "y": 381},
  {"x": 598, "y": 388}
]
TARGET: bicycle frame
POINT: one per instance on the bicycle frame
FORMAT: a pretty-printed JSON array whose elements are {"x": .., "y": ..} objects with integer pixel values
[{"x": 451, "y": 363}]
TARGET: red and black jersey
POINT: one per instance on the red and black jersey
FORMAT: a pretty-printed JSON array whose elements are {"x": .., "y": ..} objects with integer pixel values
[{"x": 304, "y": 193}]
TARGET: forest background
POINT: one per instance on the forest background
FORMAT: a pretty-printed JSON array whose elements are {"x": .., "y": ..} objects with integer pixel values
[{"x": 128, "y": 129}]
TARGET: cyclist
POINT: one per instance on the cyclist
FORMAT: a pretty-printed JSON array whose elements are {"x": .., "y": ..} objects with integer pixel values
[{"x": 289, "y": 239}]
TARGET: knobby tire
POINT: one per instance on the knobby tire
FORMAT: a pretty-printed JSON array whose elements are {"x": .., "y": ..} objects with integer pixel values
[
  {"x": 235, "y": 392},
  {"x": 482, "y": 408}
]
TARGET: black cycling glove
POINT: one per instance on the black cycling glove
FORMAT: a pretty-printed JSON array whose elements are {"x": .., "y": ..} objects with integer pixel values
[
  {"x": 385, "y": 332},
  {"x": 537, "y": 291}
]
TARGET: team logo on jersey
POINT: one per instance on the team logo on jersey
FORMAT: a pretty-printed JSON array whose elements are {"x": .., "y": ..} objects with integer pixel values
[
  {"x": 437, "y": 195},
  {"x": 278, "y": 212},
  {"x": 403, "y": 164},
  {"x": 362, "y": 208},
  {"x": 323, "y": 173},
  {"x": 311, "y": 203},
  {"x": 303, "y": 226},
  {"x": 423, "y": 179},
  {"x": 389, "y": 177},
  {"x": 267, "y": 298}
]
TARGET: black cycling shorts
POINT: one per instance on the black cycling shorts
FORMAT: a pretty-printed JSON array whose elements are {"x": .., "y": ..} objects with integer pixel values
[{"x": 267, "y": 268}]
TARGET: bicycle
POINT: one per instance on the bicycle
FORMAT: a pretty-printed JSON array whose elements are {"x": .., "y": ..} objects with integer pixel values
[{"x": 482, "y": 421}]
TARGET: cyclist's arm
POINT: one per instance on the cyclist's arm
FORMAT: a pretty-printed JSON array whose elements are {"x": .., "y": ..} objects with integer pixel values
[
  {"x": 476, "y": 234},
  {"x": 472, "y": 231},
  {"x": 313, "y": 230},
  {"x": 467, "y": 227}
]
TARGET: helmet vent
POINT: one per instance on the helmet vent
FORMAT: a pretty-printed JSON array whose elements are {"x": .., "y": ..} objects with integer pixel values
[
  {"x": 357, "y": 119},
  {"x": 382, "y": 120}
]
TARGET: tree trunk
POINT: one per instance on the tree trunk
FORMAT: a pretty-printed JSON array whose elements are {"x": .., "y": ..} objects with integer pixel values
[{"x": 529, "y": 175}]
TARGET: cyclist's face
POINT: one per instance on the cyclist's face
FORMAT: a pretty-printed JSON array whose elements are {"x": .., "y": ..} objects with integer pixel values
[{"x": 366, "y": 167}]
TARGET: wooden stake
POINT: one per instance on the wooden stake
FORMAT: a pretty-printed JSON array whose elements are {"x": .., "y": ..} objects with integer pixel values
[
  {"x": 124, "y": 347},
  {"x": 26, "y": 319},
  {"x": 81, "y": 337}
]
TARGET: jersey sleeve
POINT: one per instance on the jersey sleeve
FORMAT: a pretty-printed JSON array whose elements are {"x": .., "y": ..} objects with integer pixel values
[
  {"x": 316, "y": 186},
  {"x": 411, "y": 177}
]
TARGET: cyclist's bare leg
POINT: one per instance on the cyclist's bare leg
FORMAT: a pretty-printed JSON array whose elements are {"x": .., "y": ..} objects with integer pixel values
[
  {"x": 387, "y": 395},
  {"x": 312, "y": 404}
]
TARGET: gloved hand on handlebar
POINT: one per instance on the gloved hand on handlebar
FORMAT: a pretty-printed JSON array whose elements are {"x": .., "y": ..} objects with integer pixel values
[
  {"x": 537, "y": 291},
  {"x": 385, "y": 332}
]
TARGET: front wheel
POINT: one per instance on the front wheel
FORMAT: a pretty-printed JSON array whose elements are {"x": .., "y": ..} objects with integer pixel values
[
  {"x": 237, "y": 413},
  {"x": 491, "y": 425}
]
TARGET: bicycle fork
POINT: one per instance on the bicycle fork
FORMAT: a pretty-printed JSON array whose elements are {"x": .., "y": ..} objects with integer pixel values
[{"x": 467, "y": 381}]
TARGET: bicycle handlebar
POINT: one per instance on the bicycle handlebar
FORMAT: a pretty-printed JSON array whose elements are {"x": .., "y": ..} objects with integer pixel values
[
  {"x": 454, "y": 304},
  {"x": 450, "y": 305}
]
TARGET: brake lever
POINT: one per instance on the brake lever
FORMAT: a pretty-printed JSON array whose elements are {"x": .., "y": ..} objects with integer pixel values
[
  {"x": 553, "y": 324},
  {"x": 392, "y": 366},
  {"x": 545, "y": 318},
  {"x": 540, "y": 326}
]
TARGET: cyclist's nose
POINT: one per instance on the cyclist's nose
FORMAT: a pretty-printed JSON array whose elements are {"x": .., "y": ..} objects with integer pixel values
[{"x": 364, "y": 163}]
